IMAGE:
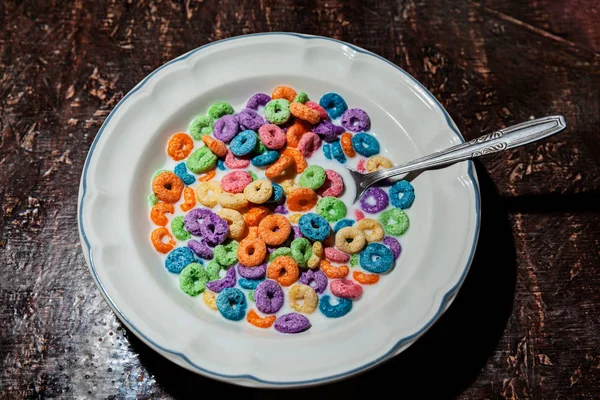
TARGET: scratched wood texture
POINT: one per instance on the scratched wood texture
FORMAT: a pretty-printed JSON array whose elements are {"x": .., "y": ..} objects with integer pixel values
[{"x": 526, "y": 324}]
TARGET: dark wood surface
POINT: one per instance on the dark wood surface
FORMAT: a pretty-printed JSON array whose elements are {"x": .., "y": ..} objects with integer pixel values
[{"x": 526, "y": 323}]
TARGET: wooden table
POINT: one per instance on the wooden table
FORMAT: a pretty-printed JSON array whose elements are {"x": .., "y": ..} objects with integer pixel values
[{"x": 526, "y": 323}]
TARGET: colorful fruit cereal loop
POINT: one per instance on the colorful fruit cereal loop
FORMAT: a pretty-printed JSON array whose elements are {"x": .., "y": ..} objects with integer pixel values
[
  {"x": 255, "y": 319},
  {"x": 201, "y": 249},
  {"x": 210, "y": 299},
  {"x": 201, "y": 160},
  {"x": 376, "y": 258},
  {"x": 313, "y": 177},
  {"x": 252, "y": 232},
  {"x": 315, "y": 106},
  {"x": 294, "y": 218},
  {"x": 231, "y": 303},
  {"x": 277, "y": 194},
  {"x": 393, "y": 245},
  {"x": 346, "y": 143},
  {"x": 268, "y": 297},
  {"x": 374, "y": 200},
  {"x": 157, "y": 240},
  {"x": 272, "y": 136},
  {"x": 259, "y": 191},
  {"x": 226, "y": 255},
  {"x": 333, "y": 185},
  {"x": 208, "y": 176},
  {"x": 274, "y": 229},
  {"x": 275, "y": 170},
  {"x": 299, "y": 160},
  {"x": 152, "y": 199},
  {"x": 278, "y": 111},
  {"x": 200, "y": 126},
  {"x": 301, "y": 97},
  {"x": 402, "y": 194},
  {"x": 301, "y": 251},
  {"x": 235, "y": 181},
  {"x": 315, "y": 279},
  {"x": 359, "y": 215},
  {"x": 251, "y": 295},
  {"x": 337, "y": 153},
  {"x": 333, "y": 272},
  {"x": 296, "y": 131},
  {"x": 378, "y": 162},
  {"x": 249, "y": 284},
  {"x": 254, "y": 273},
  {"x": 251, "y": 251},
  {"x": 249, "y": 119},
  {"x": 233, "y": 162},
  {"x": 395, "y": 221},
  {"x": 213, "y": 270},
  {"x": 181, "y": 171},
  {"x": 302, "y": 199},
  {"x": 291, "y": 323},
  {"x": 265, "y": 159},
  {"x": 178, "y": 228},
  {"x": 335, "y": 255},
  {"x": 217, "y": 110},
  {"x": 313, "y": 261},
  {"x": 314, "y": 227},
  {"x": 372, "y": 229},
  {"x": 331, "y": 209},
  {"x": 157, "y": 214},
  {"x": 243, "y": 143},
  {"x": 342, "y": 308},
  {"x": 346, "y": 289},
  {"x": 365, "y": 279},
  {"x": 226, "y": 128},
  {"x": 365, "y": 144},
  {"x": 309, "y": 143},
  {"x": 255, "y": 214},
  {"x": 234, "y": 201},
  {"x": 307, "y": 294},
  {"x": 301, "y": 111},
  {"x": 180, "y": 146},
  {"x": 342, "y": 223},
  {"x": 235, "y": 221},
  {"x": 334, "y": 104},
  {"x": 280, "y": 251},
  {"x": 356, "y": 120},
  {"x": 350, "y": 240},
  {"x": 284, "y": 270},
  {"x": 189, "y": 199},
  {"x": 258, "y": 99},
  {"x": 207, "y": 193},
  {"x": 178, "y": 259},
  {"x": 284, "y": 92},
  {"x": 193, "y": 279},
  {"x": 228, "y": 281},
  {"x": 328, "y": 131},
  {"x": 354, "y": 260},
  {"x": 216, "y": 146},
  {"x": 167, "y": 187}
]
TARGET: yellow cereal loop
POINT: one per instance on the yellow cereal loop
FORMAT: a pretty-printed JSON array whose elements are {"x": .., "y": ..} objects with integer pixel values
[
  {"x": 317, "y": 254},
  {"x": 235, "y": 220},
  {"x": 378, "y": 162},
  {"x": 350, "y": 240},
  {"x": 259, "y": 191},
  {"x": 288, "y": 185},
  {"x": 307, "y": 294},
  {"x": 210, "y": 298},
  {"x": 294, "y": 218},
  {"x": 234, "y": 201},
  {"x": 372, "y": 229},
  {"x": 207, "y": 193}
]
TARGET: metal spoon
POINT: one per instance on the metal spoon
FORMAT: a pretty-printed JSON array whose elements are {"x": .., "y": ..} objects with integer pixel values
[{"x": 504, "y": 139}]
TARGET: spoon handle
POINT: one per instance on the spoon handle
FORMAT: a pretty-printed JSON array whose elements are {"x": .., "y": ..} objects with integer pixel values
[{"x": 504, "y": 139}]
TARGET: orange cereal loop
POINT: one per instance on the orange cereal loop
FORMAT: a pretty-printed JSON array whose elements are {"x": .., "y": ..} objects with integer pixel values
[
  {"x": 295, "y": 132},
  {"x": 279, "y": 166},
  {"x": 301, "y": 111},
  {"x": 259, "y": 322},
  {"x": 167, "y": 187},
  {"x": 346, "y": 141},
  {"x": 299, "y": 159},
  {"x": 274, "y": 229},
  {"x": 209, "y": 175},
  {"x": 334, "y": 272},
  {"x": 302, "y": 199},
  {"x": 189, "y": 199},
  {"x": 180, "y": 146},
  {"x": 214, "y": 145},
  {"x": 157, "y": 240},
  {"x": 284, "y": 270},
  {"x": 251, "y": 251},
  {"x": 365, "y": 279},
  {"x": 255, "y": 214},
  {"x": 284, "y": 92},
  {"x": 157, "y": 214},
  {"x": 252, "y": 232}
]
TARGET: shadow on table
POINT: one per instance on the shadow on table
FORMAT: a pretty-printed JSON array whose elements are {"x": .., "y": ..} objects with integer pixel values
[{"x": 441, "y": 364}]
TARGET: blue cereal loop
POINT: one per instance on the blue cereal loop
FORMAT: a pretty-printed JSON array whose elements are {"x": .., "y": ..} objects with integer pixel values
[
  {"x": 221, "y": 165},
  {"x": 314, "y": 227},
  {"x": 277, "y": 194},
  {"x": 181, "y": 171},
  {"x": 365, "y": 144},
  {"x": 376, "y": 258},
  {"x": 243, "y": 143},
  {"x": 226, "y": 297},
  {"x": 327, "y": 151},
  {"x": 266, "y": 158},
  {"x": 334, "y": 104},
  {"x": 337, "y": 152},
  {"x": 178, "y": 259},
  {"x": 342, "y": 223},
  {"x": 250, "y": 284},
  {"x": 402, "y": 194},
  {"x": 339, "y": 310}
]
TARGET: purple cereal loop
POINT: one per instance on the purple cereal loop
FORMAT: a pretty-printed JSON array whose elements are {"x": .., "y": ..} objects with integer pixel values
[
  {"x": 393, "y": 245},
  {"x": 227, "y": 281},
  {"x": 281, "y": 209},
  {"x": 226, "y": 128},
  {"x": 328, "y": 131},
  {"x": 297, "y": 232},
  {"x": 249, "y": 119},
  {"x": 259, "y": 99},
  {"x": 194, "y": 220},
  {"x": 356, "y": 120},
  {"x": 268, "y": 297},
  {"x": 201, "y": 249},
  {"x": 318, "y": 277},
  {"x": 257, "y": 272},
  {"x": 215, "y": 230},
  {"x": 381, "y": 200},
  {"x": 291, "y": 323}
]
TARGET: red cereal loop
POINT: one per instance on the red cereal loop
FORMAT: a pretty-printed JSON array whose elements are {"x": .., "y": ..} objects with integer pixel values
[
  {"x": 276, "y": 169},
  {"x": 208, "y": 176},
  {"x": 255, "y": 215},
  {"x": 157, "y": 214},
  {"x": 301, "y": 111},
  {"x": 214, "y": 145},
  {"x": 346, "y": 142},
  {"x": 334, "y": 272},
  {"x": 157, "y": 240},
  {"x": 359, "y": 215},
  {"x": 189, "y": 199},
  {"x": 167, "y": 187},
  {"x": 258, "y": 321},
  {"x": 284, "y": 270},
  {"x": 365, "y": 279},
  {"x": 295, "y": 132},
  {"x": 299, "y": 159},
  {"x": 315, "y": 106},
  {"x": 251, "y": 251},
  {"x": 180, "y": 146},
  {"x": 274, "y": 229},
  {"x": 284, "y": 92},
  {"x": 301, "y": 199}
]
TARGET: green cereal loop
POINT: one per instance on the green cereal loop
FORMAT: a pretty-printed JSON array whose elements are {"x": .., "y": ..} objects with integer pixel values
[
  {"x": 260, "y": 147},
  {"x": 301, "y": 97},
  {"x": 226, "y": 255},
  {"x": 301, "y": 251},
  {"x": 201, "y": 160},
  {"x": 331, "y": 209},
  {"x": 152, "y": 199},
  {"x": 178, "y": 228},
  {"x": 253, "y": 175},
  {"x": 200, "y": 126},
  {"x": 193, "y": 279},
  {"x": 395, "y": 221},
  {"x": 251, "y": 295},
  {"x": 280, "y": 251},
  {"x": 313, "y": 177},
  {"x": 217, "y": 110},
  {"x": 277, "y": 111},
  {"x": 212, "y": 269},
  {"x": 354, "y": 260},
  {"x": 159, "y": 172}
]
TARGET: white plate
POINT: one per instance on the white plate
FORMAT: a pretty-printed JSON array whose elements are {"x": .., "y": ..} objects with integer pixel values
[{"x": 129, "y": 148}]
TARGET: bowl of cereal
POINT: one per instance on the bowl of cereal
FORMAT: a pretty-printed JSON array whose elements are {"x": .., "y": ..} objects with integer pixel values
[{"x": 216, "y": 211}]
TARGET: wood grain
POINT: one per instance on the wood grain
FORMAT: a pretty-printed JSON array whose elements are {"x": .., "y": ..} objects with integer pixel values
[{"x": 524, "y": 326}]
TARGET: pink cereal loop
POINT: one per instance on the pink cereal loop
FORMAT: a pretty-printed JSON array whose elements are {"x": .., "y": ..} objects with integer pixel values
[
  {"x": 335, "y": 255},
  {"x": 361, "y": 167},
  {"x": 236, "y": 181},
  {"x": 333, "y": 186},
  {"x": 345, "y": 288},
  {"x": 233, "y": 162},
  {"x": 309, "y": 143},
  {"x": 322, "y": 113},
  {"x": 272, "y": 136},
  {"x": 359, "y": 215}
]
